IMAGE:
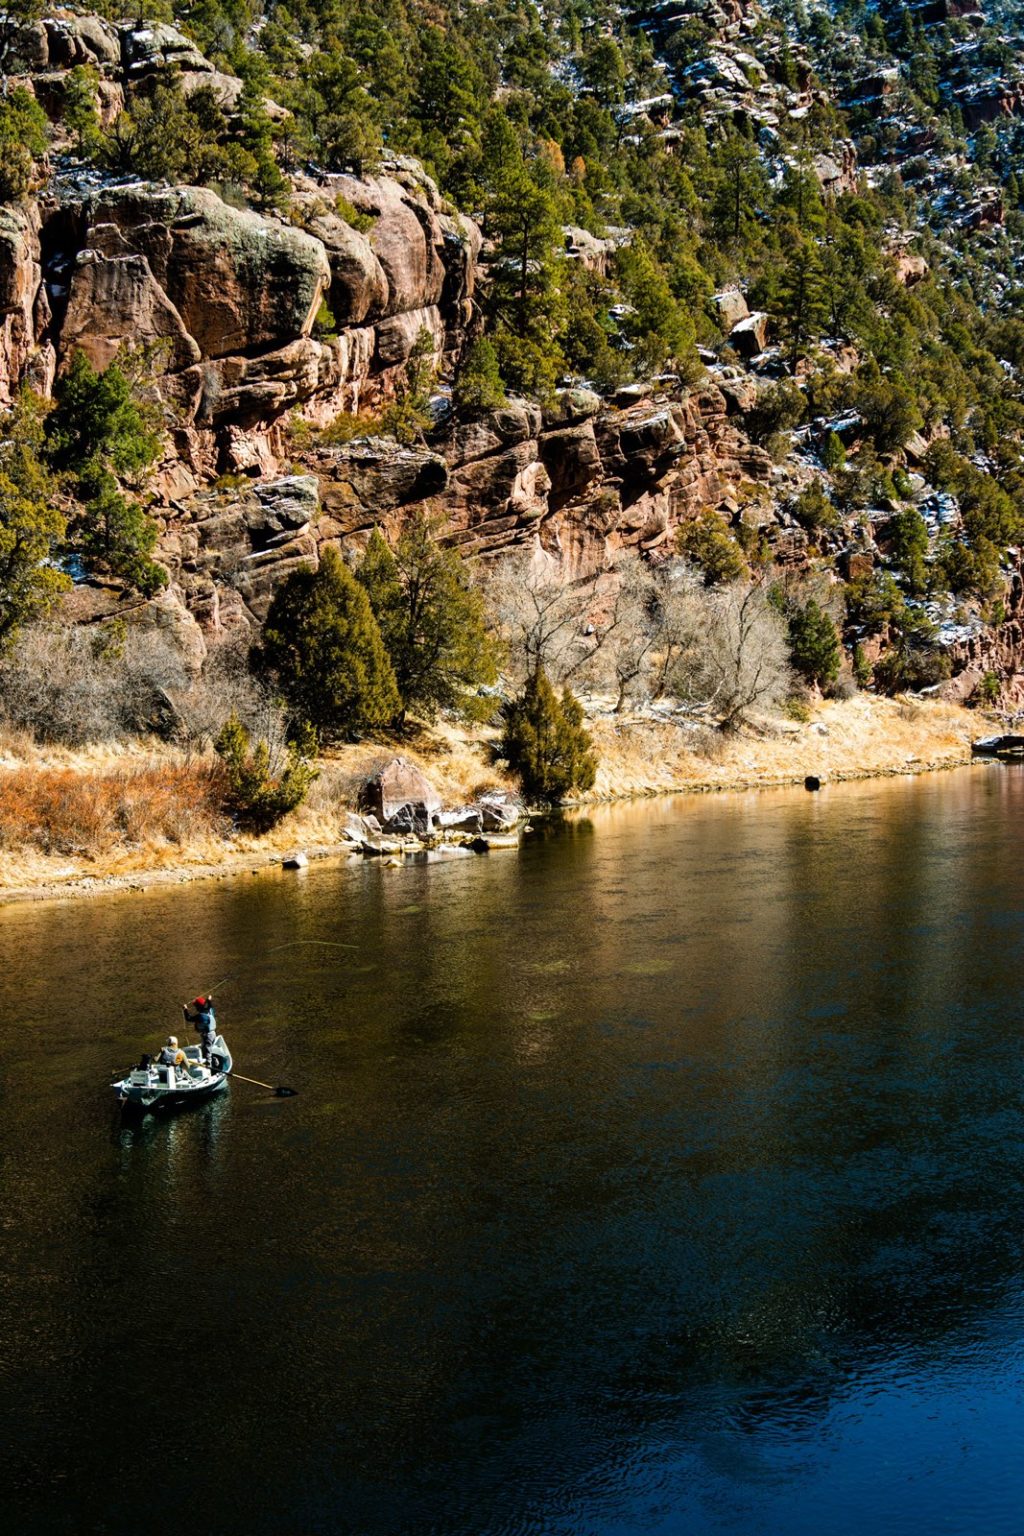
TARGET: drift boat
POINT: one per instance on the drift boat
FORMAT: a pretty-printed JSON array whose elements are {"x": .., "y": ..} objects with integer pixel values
[{"x": 151, "y": 1086}]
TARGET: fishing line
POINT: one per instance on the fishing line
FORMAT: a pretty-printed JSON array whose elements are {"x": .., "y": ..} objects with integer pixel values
[{"x": 288, "y": 944}]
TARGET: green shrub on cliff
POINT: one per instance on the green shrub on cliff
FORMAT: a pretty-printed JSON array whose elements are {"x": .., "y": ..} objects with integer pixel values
[
  {"x": 24, "y": 137},
  {"x": 114, "y": 533},
  {"x": 431, "y": 620},
  {"x": 709, "y": 544},
  {"x": 32, "y": 527},
  {"x": 98, "y": 435},
  {"x": 478, "y": 386},
  {"x": 322, "y": 642},
  {"x": 546, "y": 743},
  {"x": 79, "y": 110}
]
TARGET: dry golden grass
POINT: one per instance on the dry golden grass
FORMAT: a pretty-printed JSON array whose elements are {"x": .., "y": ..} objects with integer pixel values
[
  {"x": 104, "y": 817},
  {"x": 848, "y": 739},
  {"x": 61, "y": 811}
]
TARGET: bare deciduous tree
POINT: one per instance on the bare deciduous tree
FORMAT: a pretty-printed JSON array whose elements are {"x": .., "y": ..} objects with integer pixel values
[
  {"x": 650, "y": 622},
  {"x": 743, "y": 661},
  {"x": 71, "y": 685},
  {"x": 543, "y": 620}
]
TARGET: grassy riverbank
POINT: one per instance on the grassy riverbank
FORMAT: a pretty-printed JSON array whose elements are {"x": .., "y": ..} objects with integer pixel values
[{"x": 79, "y": 822}]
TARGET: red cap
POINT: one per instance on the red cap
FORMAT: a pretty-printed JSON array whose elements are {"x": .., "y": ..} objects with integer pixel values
[{"x": 200, "y": 1002}]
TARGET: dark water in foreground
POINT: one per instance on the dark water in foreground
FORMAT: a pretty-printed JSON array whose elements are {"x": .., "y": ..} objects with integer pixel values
[{"x": 668, "y": 1177}]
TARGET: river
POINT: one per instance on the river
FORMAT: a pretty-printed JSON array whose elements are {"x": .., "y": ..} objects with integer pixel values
[{"x": 667, "y": 1177}]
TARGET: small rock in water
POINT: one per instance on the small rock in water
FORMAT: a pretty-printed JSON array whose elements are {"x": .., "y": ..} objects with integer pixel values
[
  {"x": 811, "y": 782},
  {"x": 295, "y": 861}
]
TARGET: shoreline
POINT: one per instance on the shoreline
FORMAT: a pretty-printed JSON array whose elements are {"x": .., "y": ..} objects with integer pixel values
[{"x": 616, "y": 785}]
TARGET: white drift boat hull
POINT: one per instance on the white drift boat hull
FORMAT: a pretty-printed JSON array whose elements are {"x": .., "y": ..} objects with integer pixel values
[{"x": 151, "y": 1087}]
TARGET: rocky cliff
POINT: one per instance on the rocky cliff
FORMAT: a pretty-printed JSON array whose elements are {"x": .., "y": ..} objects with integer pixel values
[{"x": 233, "y": 304}]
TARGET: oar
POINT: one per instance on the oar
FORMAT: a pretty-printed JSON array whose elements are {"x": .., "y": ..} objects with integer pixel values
[{"x": 280, "y": 1091}]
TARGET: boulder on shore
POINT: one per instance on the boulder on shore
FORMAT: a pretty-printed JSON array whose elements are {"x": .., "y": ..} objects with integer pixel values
[
  {"x": 401, "y": 797},
  {"x": 500, "y": 811}
]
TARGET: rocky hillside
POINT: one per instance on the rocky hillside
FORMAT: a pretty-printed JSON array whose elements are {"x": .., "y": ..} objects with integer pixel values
[{"x": 777, "y": 272}]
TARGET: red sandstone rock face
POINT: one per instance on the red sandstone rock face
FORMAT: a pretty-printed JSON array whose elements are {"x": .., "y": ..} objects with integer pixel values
[
  {"x": 582, "y": 480},
  {"x": 999, "y": 649},
  {"x": 23, "y": 311},
  {"x": 232, "y": 298}
]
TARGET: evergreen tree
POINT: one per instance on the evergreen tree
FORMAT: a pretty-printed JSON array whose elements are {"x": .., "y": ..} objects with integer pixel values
[
  {"x": 431, "y": 620},
  {"x": 98, "y": 435},
  {"x": 339, "y": 115},
  {"x": 24, "y": 137},
  {"x": 32, "y": 527},
  {"x": 478, "y": 386},
  {"x": 709, "y": 544},
  {"x": 521, "y": 210},
  {"x": 862, "y": 671},
  {"x": 79, "y": 110},
  {"x": 910, "y": 546},
  {"x": 803, "y": 298},
  {"x": 814, "y": 644},
  {"x": 322, "y": 642},
  {"x": 659, "y": 328},
  {"x": 546, "y": 743},
  {"x": 114, "y": 533},
  {"x": 96, "y": 421}
]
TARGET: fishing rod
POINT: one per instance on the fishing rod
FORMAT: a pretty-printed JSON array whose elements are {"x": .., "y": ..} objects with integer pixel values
[
  {"x": 288, "y": 944},
  {"x": 279, "y": 1090}
]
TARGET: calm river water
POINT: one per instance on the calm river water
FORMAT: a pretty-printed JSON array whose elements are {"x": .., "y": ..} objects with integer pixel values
[{"x": 667, "y": 1177}]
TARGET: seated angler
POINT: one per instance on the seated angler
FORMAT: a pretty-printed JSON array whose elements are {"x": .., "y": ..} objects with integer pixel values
[{"x": 172, "y": 1055}]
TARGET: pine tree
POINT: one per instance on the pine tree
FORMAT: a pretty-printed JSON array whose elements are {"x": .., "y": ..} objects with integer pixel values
[
  {"x": 478, "y": 385},
  {"x": 909, "y": 534},
  {"x": 803, "y": 298},
  {"x": 814, "y": 644},
  {"x": 322, "y": 642},
  {"x": 545, "y": 742},
  {"x": 522, "y": 209},
  {"x": 431, "y": 620},
  {"x": 31, "y": 525}
]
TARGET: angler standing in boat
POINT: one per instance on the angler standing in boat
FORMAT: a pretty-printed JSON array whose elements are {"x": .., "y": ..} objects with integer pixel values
[{"x": 203, "y": 1022}]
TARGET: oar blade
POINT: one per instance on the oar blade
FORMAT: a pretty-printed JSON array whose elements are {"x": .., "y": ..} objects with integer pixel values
[{"x": 281, "y": 1092}]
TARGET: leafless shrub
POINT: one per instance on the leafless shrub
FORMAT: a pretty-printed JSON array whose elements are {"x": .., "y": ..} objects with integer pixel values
[
  {"x": 543, "y": 620},
  {"x": 70, "y": 685},
  {"x": 227, "y": 686},
  {"x": 739, "y": 660},
  {"x": 650, "y": 623}
]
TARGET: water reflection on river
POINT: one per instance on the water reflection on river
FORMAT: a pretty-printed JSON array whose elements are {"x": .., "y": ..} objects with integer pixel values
[{"x": 666, "y": 1177}]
